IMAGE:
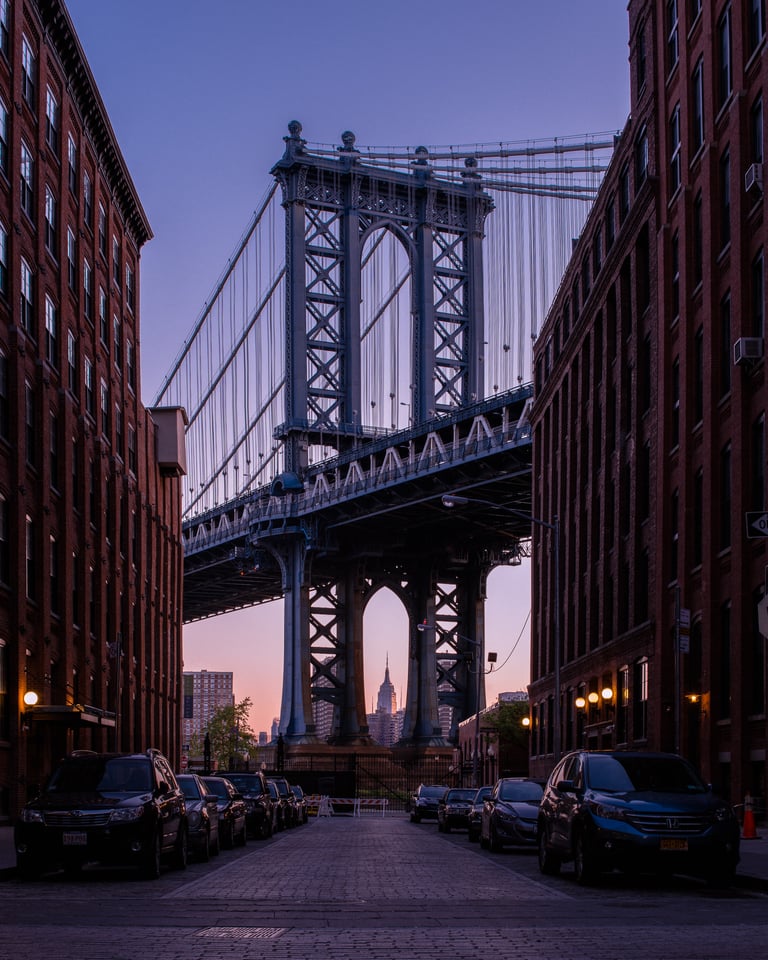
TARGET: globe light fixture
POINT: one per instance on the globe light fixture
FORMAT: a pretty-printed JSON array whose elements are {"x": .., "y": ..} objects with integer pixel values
[
  {"x": 593, "y": 697},
  {"x": 607, "y": 694},
  {"x": 580, "y": 703},
  {"x": 31, "y": 698}
]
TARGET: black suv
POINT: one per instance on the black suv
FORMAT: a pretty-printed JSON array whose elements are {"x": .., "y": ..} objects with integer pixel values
[
  {"x": 635, "y": 811},
  {"x": 424, "y": 802},
  {"x": 109, "y": 808},
  {"x": 253, "y": 788}
]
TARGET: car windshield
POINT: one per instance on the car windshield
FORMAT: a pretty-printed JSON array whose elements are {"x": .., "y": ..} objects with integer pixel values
[
  {"x": 189, "y": 787},
  {"x": 298, "y": 793},
  {"x": 612, "y": 774},
  {"x": 432, "y": 791},
  {"x": 454, "y": 795},
  {"x": 282, "y": 788},
  {"x": 101, "y": 775},
  {"x": 218, "y": 787},
  {"x": 525, "y": 791},
  {"x": 245, "y": 784}
]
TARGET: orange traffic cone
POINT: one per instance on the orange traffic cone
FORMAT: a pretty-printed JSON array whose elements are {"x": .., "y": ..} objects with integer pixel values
[{"x": 748, "y": 831}]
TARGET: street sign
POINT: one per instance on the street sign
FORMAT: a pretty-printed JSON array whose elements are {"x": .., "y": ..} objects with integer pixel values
[
  {"x": 757, "y": 524},
  {"x": 684, "y": 630}
]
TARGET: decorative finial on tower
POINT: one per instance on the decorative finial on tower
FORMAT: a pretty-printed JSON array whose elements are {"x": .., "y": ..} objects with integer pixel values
[
  {"x": 294, "y": 144},
  {"x": 348, "y": 141},
  {"x": 470, "y": 171}
]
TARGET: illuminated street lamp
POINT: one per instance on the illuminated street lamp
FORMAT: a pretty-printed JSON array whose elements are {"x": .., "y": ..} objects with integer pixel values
[{"x": 456, "y": 500}]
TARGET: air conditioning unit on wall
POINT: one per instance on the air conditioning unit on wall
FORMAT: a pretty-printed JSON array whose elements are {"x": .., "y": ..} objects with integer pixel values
[
  {"x": 747, "y": 348},
  {"x": 753, "y": 178}
]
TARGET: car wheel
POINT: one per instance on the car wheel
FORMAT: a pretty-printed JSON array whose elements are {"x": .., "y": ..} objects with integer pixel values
[
  {"x": 180, "y": 851},
  {"x": 584, "y": 863},
  {"x": 228, "y": 836},
  {"x": 151, "y": 868},
  {"x": 549, "y": 864},
  {"x": 494, "y": 844}
]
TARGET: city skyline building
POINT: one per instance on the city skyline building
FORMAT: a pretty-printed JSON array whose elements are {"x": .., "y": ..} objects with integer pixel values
[
  {"x": 205, "y": 692},
  {"x": 649, "y": 419},
  {"x": 385, "y": 723}
]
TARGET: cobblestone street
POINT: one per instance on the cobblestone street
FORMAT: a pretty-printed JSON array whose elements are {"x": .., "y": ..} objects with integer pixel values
[{"x": 375, "y": 888}]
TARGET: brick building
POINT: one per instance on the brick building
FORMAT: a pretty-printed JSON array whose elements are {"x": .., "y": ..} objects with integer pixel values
[
  {"x": 205, "y": 692},
  {"x": 649, "y": 419},
  {"x": 90, "y": 552}
]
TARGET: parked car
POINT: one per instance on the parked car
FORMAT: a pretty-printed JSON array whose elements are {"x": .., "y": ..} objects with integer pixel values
[
  {"x": 453, "y": 808},
  {"x": 116, "y": 809},
  {"x": 290, "y": 811},
  {"x": 510, "y": 814},
  {"x": 254, "y": 790},
  {"x": 424, "y": 801},
  {"x": 202, "y": 816},
  {"x": 301, "y": 803},
  {"x": 635, "y": 811},
  {"x": 278, "y": 807},
  {"x": 475, "y": 813},
  {"x": 232, "y": 829}
]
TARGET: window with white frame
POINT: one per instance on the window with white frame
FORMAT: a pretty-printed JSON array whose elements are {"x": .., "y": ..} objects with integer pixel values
[
  {"x": 27, "y": 180},
  {"x": 697, "y": 105},
  {"x": 87, "y": 291},
  {"x": 675, "y": 151},
  {"x": 30, "y": 424},
  {"x": 3, "y": 260},
  {"x": 755, "y": 24},
  {"x": 5, "y": 27},
  {"x": 51, "y": 218},
  {"x": 28, "y": 72},
  {"x": 51, "y": 332},
  {"x": 72, "y": 362},
  {"x": 116, "y": 271},
  {"x": 72, "y": 163},
  {"x": 3, "y": 137},
  {"x": 130, "y": 292},
  {"x": 130, "y": 365},
  {"x": 87, "y": 201},
  {"x": 90, "y": 396},
  {"x": 102, "y": 230},
  {"x": 27, "y": 298},
  {"x": 71, "y": 259},
  {"x": 672, "y": 42},
  {"x": 724, "y": 67},
  {"x": 103, "y": 318},
  {"x": 117, "y": 329},
  {"x": 51, "y": 120},
  {"x": 53, "y": 550},
  {"x": 131, "y": 449},
  {"x": 104, "y": 394},
  {"x": 30, "y": 566}
]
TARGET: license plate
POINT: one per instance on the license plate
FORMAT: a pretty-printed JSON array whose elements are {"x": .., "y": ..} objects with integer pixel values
[
  {"x": 674, "y": 845},
  {"x": 75, "y": 838}
]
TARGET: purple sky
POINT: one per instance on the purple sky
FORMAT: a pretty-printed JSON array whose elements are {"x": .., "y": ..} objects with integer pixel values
[{"x": 200, "y": 95}]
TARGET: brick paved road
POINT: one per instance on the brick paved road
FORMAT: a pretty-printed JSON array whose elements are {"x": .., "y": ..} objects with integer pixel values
[{"x": 374, "y": 888}]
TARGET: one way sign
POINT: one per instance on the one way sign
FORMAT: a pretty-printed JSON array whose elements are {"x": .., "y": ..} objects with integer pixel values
[{"x": 757, "y": 525}]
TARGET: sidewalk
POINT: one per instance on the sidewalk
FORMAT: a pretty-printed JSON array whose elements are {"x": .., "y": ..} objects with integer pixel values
[{"x": 751, "y": 874}]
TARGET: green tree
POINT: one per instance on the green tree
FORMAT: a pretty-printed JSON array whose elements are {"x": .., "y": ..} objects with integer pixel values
[
  {"x": 507, "y": 724},
  {"x": 230, "y": 734}
]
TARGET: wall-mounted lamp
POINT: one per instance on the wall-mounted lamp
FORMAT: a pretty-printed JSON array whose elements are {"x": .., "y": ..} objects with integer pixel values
[
  {"x": 607, "y": 694},
  {"x": 693, "y": 697},
  {"x": 593, "y": 698},
  {"x": 580, "y": 703},
  {"x": 31, "y": 698},
  {"x": 526, "y": 722}
]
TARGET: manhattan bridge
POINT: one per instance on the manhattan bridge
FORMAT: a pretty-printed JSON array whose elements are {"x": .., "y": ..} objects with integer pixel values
[{"x": 365, "y": 353}]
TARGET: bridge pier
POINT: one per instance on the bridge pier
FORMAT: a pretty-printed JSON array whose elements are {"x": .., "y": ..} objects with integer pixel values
[{"x": 296, "y": 721}]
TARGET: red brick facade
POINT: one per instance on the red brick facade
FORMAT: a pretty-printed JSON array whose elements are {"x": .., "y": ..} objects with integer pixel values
[
  {"x": 649, "y": 439},
  {"x": 90, "y": 547}
]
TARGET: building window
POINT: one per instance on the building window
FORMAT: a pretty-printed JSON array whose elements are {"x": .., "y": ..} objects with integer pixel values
[
  {"x": 72, "y": 164},
  {"x": 28, "y": 72},
  {"x": 674, "y": 432},
  {"x": 675, "y": 151},
  {"x": 27, "y": 175},
  {"x": 132, "y": 452},
  {"x": 641, "y": 159},
  {"x": 597, "y": 252},
  {"x": 641, "y": 58},
  {"x": 757, "y": 493},
  {"x": 51, "y": 120},
  {"x": 610, "y": 224},
  {"x": 697, "y": 106},
  {"x": 102, "y": 231},
  {"x": 724, "y": 68},
  {"x": 27, "y": 298},
  {"x": 90, "y": 400},
  {"x": 116, "y": 269},
  {"x": 698, "y": 518},
  {"x": 674, "y": 531},
  {"x": 695, "y": 10},
  {"x": 87, "y": 201},
  {"x": 71, "y": 259},
  {"x": 30, "y": 565},
  {"x": 675, "y": 258},
  {"x": 72, "y": 362},
  {"x": 698, "y": 240},
  {"x": 30, "y": 433},
  {"x": 118, "y": 430},
  {"x": 756, "y": 131},
  {"x": 725, "y": 198},
  {"x": 671, "y": 24},
  {"x": 87, "y": 291},
  {"x": 758, "y": 296},
  {"x": 130, "y": 290},
  {"x": 724, "y": 678},
  {"x": 3, "y": 138},
  {"x": 130, "y": 365},
  {"x": 104, "y": 394},
  {"x": 117, "y": 328},
  {"x": 4, "y": 398},
  {"x": 3, "y": 260},
  {"x": 755, "y": 24},
  {"x": 5, "y": 547},
  {"x": 50, "y": 221},
  {"x": 698, "y": 376},
  {"x": 724, "y": 510},
  {"x": 624, "y": 193},
  {"x": 51, "y": 333},
  {"x": 53, "y": 451},
  {"x": 640, "y": 701},
  {"x": 103, "y": 322},
  {"x": 4, "y": 35},
  {"x": 725, "y": 345}
]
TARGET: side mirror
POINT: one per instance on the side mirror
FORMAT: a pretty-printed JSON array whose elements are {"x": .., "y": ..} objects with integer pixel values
[
  {"x": 210, "y": 798},
  {"x": 566, "y": 786}
]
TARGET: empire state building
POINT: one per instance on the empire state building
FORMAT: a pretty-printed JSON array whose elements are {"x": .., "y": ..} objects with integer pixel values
[{"x": 386, "y": 724}]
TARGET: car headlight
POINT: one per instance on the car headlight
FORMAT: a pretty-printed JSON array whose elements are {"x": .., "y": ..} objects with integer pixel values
[
  {"x": 607, "y": 811},
  {"x": 509, "y": 815},
  {"x": 722, "y": 814},
  {"x": 194, "y": 819},
  {"x": 126, "y": 814},
  {"x": 31, "y": 816}
]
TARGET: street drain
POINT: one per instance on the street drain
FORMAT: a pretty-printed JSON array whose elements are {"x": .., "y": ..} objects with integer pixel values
[{"x": 241, "y": 933}]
